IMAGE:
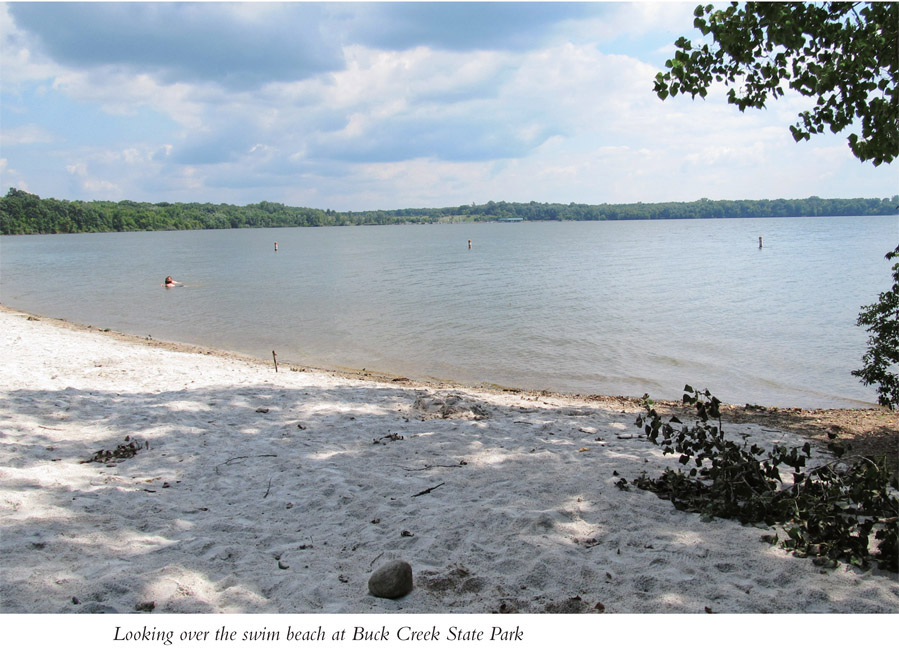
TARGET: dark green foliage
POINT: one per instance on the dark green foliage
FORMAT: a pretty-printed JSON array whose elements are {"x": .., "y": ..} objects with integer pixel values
[
  {"x": 829, "y": 511},
  {"x": 22, "y": 213},
  {"x": 842, "y": 53},
  {"x": 882, "y": 357}
]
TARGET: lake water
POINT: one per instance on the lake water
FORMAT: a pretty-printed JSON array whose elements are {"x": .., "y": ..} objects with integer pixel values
[{"x": 617, "y": 308}]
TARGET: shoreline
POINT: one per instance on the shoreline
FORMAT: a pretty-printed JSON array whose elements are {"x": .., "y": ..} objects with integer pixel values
[
  {"x": 346, "y": 373},
  {"x": 874, "y": 429},
  {"x": 141, "y": 475},
  {"x": 378, "y": 376}
]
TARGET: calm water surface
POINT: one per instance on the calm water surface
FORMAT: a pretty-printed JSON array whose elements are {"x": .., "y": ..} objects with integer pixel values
[{"x": 617, "y": 308}]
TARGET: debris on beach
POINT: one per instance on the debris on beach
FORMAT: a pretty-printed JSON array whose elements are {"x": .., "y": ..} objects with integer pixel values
[
  {"x": 429, "y": 490},
  {"x": 450, "y": 407},
  {"x": 128, "y": 449},
  {"x": 389, "y": 436}
]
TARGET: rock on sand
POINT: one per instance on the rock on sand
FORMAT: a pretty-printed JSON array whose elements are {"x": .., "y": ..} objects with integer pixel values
[{"x": 392, "y": 580}]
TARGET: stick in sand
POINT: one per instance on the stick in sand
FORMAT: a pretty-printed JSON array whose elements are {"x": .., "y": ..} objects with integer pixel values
[
  {"x": 429, "y": 490},
  {"x": 275, "y": 357}
]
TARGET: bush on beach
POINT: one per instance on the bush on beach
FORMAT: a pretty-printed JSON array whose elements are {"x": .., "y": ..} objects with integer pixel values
[
  {"x": 828, "y": 512},
  {"x": 881, "y": 359}
]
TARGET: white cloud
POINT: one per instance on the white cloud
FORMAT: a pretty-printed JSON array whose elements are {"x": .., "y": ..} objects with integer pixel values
[
  {"x": 21, "y": 64},
  {"x": 561, "y": 110},
  {"x": 234, "y": 45},
  {"x": 26, "y": 134},
  {"x": 116, "y": 92},
  {"x": 10, "y": 177}
]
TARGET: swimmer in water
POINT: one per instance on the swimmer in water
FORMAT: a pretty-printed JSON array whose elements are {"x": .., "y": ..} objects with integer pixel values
[{"x": 169, "y": 282}]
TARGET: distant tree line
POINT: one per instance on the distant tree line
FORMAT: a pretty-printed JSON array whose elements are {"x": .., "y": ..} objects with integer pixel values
[{"x": 24, "y": 213}]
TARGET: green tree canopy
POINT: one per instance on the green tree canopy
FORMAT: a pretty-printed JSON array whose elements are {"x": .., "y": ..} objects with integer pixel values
[
  {"x": 844, "y": 53},
  {"x": 23, "y": 213}
]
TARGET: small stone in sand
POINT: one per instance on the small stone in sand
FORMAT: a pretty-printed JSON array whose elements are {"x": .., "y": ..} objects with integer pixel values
[{"x": 392, "y": 580}]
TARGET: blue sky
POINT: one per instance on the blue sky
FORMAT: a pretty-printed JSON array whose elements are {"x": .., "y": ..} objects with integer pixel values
[{"x": 355, "y": 106}]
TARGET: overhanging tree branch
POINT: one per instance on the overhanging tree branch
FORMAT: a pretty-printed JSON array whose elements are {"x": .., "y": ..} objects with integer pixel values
[{"x": 843, "y": 53}]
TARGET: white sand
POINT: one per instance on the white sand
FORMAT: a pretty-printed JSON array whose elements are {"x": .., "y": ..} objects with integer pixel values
[{"x": 229, "y": 509}]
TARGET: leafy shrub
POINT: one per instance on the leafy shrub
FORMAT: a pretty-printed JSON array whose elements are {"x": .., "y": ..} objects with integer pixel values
[
  {"x": 828, "y": 512},
  {"x": 881, "y": 359}
]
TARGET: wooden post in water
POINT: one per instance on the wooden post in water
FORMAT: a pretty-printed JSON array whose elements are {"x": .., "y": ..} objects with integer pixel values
[
  {"x": 275, "y": 357},
  {"x": 760, "y": 242}
]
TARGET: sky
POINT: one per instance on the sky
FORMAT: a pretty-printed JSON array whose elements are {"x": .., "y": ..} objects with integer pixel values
[{"x": 364, "y": 106}]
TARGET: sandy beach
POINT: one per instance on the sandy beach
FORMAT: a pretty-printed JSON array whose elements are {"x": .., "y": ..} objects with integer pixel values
[{"x": 233, "y": 488}]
